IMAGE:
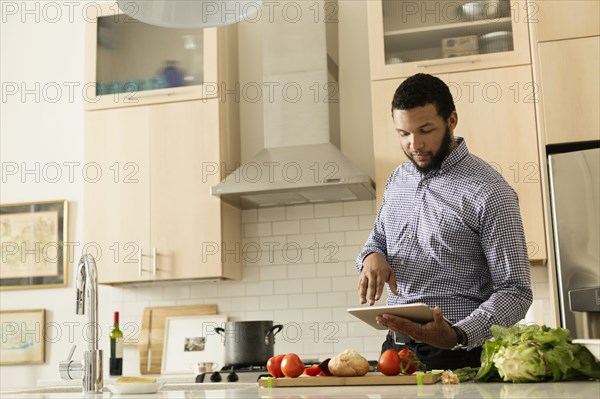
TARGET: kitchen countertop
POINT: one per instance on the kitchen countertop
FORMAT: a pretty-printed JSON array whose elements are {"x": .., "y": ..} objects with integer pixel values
[{"x": 571, "y": 389}]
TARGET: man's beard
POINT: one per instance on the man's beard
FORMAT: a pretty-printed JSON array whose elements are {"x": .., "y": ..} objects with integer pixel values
[{"x": 438, "y": 158}]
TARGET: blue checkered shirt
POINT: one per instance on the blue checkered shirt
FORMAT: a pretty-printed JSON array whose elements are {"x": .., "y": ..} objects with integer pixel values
[{"x": 454, "y": 239}]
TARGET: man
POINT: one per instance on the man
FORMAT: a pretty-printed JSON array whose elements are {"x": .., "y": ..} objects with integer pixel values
[{"x": 448, "y": 233}]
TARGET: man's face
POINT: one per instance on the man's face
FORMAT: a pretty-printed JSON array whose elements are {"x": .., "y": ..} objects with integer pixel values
[{"x": 425, "y": 137}]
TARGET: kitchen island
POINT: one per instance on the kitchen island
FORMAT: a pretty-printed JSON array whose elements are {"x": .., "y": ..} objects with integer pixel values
[{"x": 571, "y": 389}]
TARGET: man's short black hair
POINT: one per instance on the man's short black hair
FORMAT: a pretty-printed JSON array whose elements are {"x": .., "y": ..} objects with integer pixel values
[{"x": 422, "y": 89}]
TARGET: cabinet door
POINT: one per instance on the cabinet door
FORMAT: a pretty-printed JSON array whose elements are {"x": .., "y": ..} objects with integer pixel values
[
  {"x": 565, "y": 19},
  {"x": 130, "y": 63},
  {"x": 185, "y": 218},
  {"x": 569, "y": 89},
  {"x": 407, "y": 37},
  {"x": 497, "y": 119},
  {"x": 496, "y": 116},
  {"x": 116, "y": 192}
]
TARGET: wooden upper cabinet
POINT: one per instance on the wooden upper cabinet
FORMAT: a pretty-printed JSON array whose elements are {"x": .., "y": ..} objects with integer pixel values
[
  {"x": 570, "y": 98},
  {"x": 497, "y": 119},
  {"x": 565, "y": 19},
  {"x": 151, "y": 214},
  {"x": 407, "y": 37},
  {"x": 130, "y": 63}
]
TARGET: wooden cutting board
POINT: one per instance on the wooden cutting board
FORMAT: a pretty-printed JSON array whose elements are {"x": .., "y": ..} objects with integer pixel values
[
  {"x": 152, "y": 334},
  {"x": 368, "y": 379}
]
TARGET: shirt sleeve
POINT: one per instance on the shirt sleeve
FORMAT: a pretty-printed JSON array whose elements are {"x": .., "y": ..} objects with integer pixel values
[
  {"x": 376, "y": 241},
  {"x": 505, "y": 249}
]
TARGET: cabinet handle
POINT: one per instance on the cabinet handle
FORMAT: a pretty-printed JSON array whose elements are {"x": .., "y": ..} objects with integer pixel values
[
  {"x": 140, "y": 268},
  {"x": 154, "y": 255},
  {"x": 447, "y": 62},
  {"x": 151, "y": 94}
]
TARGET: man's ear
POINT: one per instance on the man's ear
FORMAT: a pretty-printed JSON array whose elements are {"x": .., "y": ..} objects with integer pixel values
[{"x": 453, "y": 120}]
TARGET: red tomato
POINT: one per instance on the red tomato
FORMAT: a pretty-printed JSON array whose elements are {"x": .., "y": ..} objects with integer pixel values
[
  {"x": 409, "y": 361},
  {"x": 274, "y": 366},
  {"x": 292, "y": 366},
  {"x": 389, "y": 363},
  {"x": 312, "y": 370}
]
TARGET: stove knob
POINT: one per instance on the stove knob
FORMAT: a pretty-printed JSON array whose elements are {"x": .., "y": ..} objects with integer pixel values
[
  {"x": 215, "y": 377},
  {"x": 232, "y": 377}
]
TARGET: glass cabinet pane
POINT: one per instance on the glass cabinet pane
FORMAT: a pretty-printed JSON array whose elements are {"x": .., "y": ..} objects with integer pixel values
[
  {"x": 134, "y": 56},
  {"x": 434, "y": 29}
]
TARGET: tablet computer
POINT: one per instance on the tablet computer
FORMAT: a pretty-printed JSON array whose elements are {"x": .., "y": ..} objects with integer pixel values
[{"x": 418, "y": 312}]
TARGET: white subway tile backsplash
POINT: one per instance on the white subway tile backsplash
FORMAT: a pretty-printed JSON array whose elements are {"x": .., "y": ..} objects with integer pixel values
[
  {"x": 286, "y": 227},
  {"x": 149, "y": 293},
  {"x": 345, "y": 283},
  {"x": 302, "y": 240},
  {"x": 250, "y": 216},
  {"x": 348, "y": 252},
  {"x": 317, "y": 315},
  {"x": 317, "y": 349},
  {"x": 257, "y": 229},
  {"x": 344, "y": 223},
  {"x": 331, "y": 269},
  {"x": 245, "y": 303},
  {"x": 301, "y": 270},
  {"x": 250, "y": 273},
  {"x": 314, "y": 225},
  {"x": 176, "y": 292},
  {"x": 302, "y": 301},
  {"x": 203, "y": 290},
  {"x": 271, "y": 214},
  {"x": 331, "y": 299},
  {"x": 335, "y": 238},
  {"x": 288, "y": 287},
  {"x": 286, "y": 316},
  {"x": 358, "y": 237},
  {"x": 277, "y": 272},
  {"x": 230, "y": 288},
  {"x": 317, "y": 284},
  {"x": 259, "y": 288},
  {"x": 272, "y": 302},
  {"x": 259, "y": 315},
  {"x": 358, "y": 207},
  {"x": 328, "y": 210},
  {"x": 365, "y": 222},
  {"x": 300, "y": 212},
  {"x": 341, "y": 316}
]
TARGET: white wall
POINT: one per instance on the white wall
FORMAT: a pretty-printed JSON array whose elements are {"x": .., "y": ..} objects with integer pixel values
[{"x": 46, "y": 131}]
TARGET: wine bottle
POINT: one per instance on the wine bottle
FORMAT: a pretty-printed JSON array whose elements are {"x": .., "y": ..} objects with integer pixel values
[{"x": 116, "y": 348}]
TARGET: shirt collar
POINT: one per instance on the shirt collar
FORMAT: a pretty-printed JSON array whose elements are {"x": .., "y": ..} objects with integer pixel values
[{"x": 455, "y": 156}]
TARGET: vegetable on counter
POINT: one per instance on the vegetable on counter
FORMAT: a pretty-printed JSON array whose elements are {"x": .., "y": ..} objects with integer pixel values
[{"x": 529, "y": 353}]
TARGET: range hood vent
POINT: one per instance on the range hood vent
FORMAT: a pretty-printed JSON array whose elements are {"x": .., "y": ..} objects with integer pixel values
[{"x": 301, "y": 162}]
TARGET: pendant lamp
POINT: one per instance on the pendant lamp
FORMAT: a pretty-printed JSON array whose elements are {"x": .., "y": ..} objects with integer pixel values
[{"x": 185, "y": 14}]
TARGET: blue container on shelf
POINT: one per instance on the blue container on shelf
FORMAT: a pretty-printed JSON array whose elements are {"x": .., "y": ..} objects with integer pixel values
[{"x": 172, "y": 74}]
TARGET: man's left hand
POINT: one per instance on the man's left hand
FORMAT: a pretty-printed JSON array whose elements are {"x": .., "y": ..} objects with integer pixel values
[{"x": 438, "y": 333}]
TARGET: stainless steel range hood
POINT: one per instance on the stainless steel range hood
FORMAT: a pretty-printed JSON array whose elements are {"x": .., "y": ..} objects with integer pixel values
[{"x": 301, "y": 161}]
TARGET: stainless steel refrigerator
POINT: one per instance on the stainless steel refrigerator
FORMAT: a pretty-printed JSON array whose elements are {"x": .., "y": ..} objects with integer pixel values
[{"x": 575, "y": 200}]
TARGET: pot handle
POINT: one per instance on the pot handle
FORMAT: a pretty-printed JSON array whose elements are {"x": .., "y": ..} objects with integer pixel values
[
  {"x": 272, "y": 332},
  {"x": 220, "y": 330},
  {"x": 277, "y": 327}
]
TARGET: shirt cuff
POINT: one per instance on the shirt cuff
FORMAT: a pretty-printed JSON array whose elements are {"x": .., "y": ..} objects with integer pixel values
[{"x": 364, "y": 254}]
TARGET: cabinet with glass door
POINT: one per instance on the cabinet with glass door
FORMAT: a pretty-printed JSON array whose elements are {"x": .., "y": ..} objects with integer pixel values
[
  {"x": 434, "y": 36},
  {"x": 130, "y": 63}
]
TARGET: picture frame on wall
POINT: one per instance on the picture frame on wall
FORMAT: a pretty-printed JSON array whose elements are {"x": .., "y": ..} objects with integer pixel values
[
  {"x": 191, "y": 342},
  {"x": 32, "y": 239},
  {"x": 22, "y": 333}
]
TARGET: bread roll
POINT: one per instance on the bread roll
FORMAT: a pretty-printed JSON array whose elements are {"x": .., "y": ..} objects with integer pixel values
[
  {"x": 349, "y": 363},
  {"x": 135, "y": 380}
]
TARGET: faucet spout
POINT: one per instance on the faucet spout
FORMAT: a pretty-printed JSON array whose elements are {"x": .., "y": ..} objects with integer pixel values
[{"x": 86, "y": 286}]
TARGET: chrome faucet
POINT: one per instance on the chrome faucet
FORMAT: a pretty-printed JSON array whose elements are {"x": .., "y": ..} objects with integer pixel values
[{"x": 90, "y": 369}]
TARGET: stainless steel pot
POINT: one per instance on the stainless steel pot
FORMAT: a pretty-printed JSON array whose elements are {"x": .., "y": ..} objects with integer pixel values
[{"x": 248, "y": 343}]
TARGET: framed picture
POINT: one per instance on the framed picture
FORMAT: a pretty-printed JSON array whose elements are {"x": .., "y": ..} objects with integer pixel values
[
  {"x": 32, "y": 238},
  {"x": 190, "y": 340},
  {"x": 22, "y": 336}
]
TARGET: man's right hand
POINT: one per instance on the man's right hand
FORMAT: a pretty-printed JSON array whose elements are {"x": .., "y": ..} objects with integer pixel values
[{"x": 375, "y": 273}]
